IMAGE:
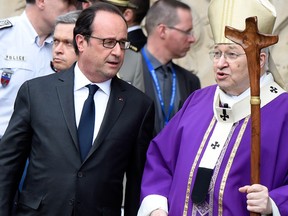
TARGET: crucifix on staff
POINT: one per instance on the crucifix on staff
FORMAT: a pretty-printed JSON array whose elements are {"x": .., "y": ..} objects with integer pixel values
[{"x": 253, "y": 42}]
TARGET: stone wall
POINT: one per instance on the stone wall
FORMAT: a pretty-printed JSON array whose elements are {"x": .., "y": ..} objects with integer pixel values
[{"x": 11, "y": 8}]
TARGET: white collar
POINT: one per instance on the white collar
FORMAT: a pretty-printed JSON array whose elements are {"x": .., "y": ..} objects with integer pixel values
[
  {"x": 132, "y": 28},
  {"x": 80, "y": 81},
  {"x": 239, "y": 107},
  {"x": 231, "y": 100}
]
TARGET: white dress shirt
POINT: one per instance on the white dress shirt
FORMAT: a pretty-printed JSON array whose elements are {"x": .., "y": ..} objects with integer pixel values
[{"x": 100, "y": 98}]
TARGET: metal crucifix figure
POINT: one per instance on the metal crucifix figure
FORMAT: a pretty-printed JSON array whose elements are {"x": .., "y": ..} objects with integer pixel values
[{"x": 252, "y": 42}]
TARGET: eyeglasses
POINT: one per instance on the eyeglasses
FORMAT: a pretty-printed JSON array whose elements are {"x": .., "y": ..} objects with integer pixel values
[
  {"x": 188, "y": 33},
  {"x": 216, "y": 55},
  {"x": 110, "y": 43}
]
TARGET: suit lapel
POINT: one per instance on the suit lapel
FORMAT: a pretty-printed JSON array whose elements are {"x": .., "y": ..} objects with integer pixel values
[
  {"x": 115, "y": 105},
  {"x": 181, "y": 83},
  {"x": 65, "y": 90}
]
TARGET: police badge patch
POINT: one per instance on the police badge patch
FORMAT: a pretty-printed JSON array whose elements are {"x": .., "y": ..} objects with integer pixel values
[
  {"x": 6, "y": 77},
  {"x": 5, "y": 23}
]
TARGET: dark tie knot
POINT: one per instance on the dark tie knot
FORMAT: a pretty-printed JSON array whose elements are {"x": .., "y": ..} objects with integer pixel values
[
  {"x": 92, "y": 89},
  {"x": 166, "y": 68}
]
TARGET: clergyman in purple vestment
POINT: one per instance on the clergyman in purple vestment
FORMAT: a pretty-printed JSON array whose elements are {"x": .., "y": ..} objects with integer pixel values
[{"x": 199, "y": 165}]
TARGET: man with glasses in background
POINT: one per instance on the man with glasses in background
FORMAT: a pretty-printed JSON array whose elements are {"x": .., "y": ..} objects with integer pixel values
[
  {"x": 200, "y": 163},
  {"x": 79, "y": 149},
  {"x": 170, "y": 35}
]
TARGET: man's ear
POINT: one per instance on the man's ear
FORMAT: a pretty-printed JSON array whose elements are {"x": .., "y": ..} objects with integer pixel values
[
  {"x": 86, "y": 4},
  {"x": 162, "y": 31},
  {"x": 80, "y": 41},
  {"x": 40, "y": 4},
  {"x": 128, "y": 15},
  {"x": 263, "y": 59}
]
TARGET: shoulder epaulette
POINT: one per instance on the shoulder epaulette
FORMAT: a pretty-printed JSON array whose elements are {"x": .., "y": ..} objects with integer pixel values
[
  {"x": 5, "y": 23},
  {"x": 131, "y": 47}
]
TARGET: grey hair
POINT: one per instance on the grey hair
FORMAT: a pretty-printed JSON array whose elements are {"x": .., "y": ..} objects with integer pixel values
[
  {"x": 68, "y": 18},
  {"x": 164, "y": 12}
]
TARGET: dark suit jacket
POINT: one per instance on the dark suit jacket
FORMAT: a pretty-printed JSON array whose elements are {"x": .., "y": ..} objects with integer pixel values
[
  {"x": 187, "y": 83},
  {"x": 43, "y": 127},
  {"x": 137, "y": 38}
]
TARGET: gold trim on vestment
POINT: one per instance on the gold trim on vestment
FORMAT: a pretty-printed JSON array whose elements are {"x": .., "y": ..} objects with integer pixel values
[
  {"x": 229, "y": 164},
  {"x": 187, "y": 198},
  {"x": 238, "y": 111},
  {"x": 217, "y": 169}
]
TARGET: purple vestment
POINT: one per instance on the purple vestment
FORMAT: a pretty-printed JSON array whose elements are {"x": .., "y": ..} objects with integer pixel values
[{"x": 172, "y": 153}]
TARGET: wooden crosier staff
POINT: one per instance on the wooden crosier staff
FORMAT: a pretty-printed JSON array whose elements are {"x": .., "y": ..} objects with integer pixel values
[{"x": 252, "y": 42}]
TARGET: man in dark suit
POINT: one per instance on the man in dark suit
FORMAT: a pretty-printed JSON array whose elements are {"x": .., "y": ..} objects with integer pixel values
[
  {"x": 169, "y": 27},
  {"x": 64, "y": 176}
]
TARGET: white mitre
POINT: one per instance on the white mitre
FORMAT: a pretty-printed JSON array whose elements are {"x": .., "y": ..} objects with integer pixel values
[{"x": 233, "y": 13}]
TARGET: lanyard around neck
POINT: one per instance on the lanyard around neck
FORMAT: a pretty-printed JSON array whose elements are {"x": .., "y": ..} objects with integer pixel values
[{"x": 158, "y": 89}]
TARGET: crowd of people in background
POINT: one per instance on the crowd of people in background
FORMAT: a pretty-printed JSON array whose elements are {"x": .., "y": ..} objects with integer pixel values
[
  {"x": 113, "y": 107},
  {"x": 194, "y": 60}
]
